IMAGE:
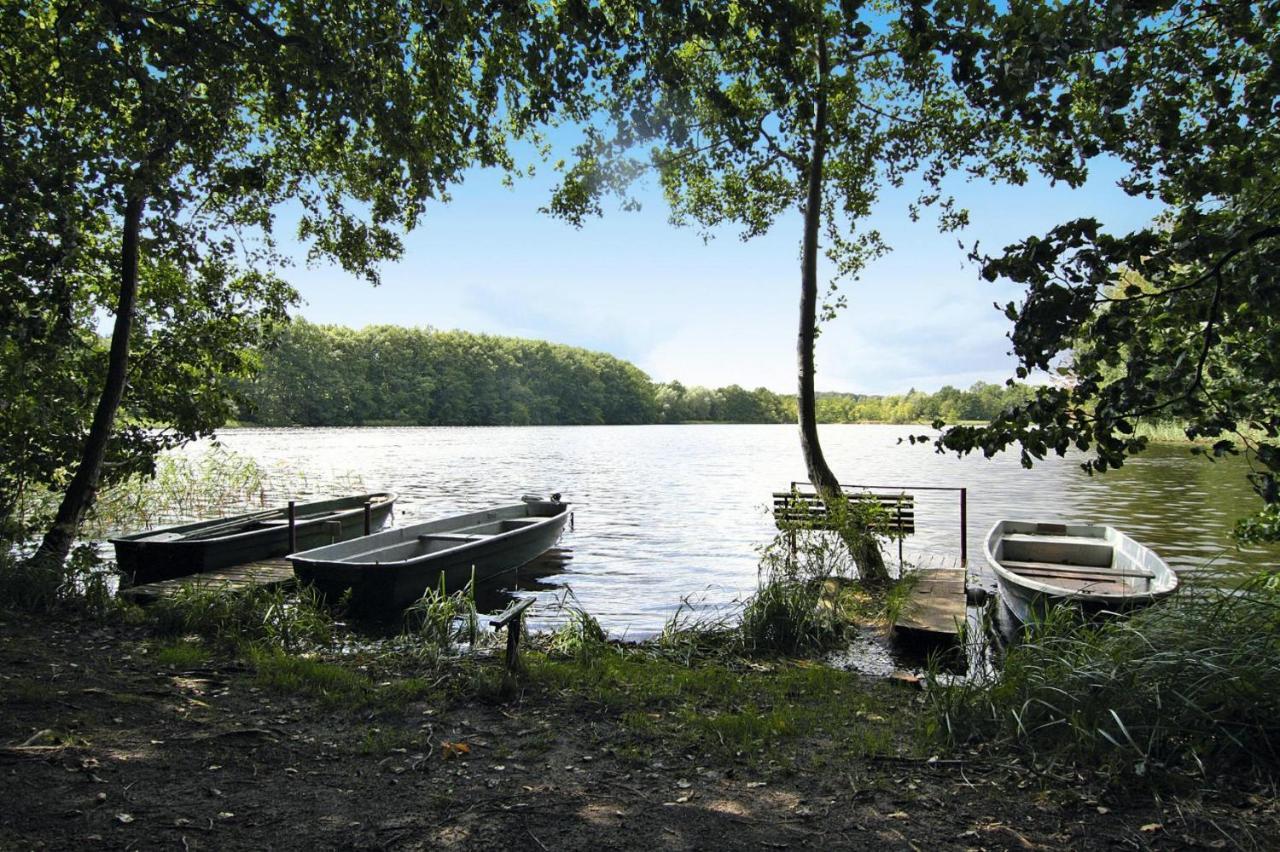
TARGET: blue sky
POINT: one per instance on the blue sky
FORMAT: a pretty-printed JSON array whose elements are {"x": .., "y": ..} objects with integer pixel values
[{"x": 718, "y": 312}]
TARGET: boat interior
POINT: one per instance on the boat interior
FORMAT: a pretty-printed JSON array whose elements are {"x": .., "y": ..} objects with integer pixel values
[
  {"x": 437, "y": 542},
  {"x": 1062, "y": 557}
]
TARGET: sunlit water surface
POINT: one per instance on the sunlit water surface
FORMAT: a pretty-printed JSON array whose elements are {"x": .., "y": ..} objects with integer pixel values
[{"x": 669, "y": 513}]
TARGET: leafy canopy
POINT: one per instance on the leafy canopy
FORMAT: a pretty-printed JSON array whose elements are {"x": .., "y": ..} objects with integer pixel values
[
  {"x": 210, "y": 117},
  {"x": 1178, "y": 320}
]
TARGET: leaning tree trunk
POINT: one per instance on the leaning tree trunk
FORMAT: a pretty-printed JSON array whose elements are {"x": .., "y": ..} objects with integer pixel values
[
  {"x": 79, "y": 494},
  {"x": 864, "y": 548}
]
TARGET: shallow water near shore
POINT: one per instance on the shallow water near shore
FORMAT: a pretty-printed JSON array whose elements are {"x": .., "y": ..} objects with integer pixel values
[{"x": 669, "y": 514}]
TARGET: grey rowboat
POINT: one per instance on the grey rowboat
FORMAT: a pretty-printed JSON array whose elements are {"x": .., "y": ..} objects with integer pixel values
[
  {"x": 388, "y": 571},
  {"x": 1097, "y": 567}
]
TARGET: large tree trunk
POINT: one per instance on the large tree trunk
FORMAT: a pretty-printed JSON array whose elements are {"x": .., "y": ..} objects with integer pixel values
[
  {"x": 80, "y": 491},
  {"x": 864, "y": 549}
]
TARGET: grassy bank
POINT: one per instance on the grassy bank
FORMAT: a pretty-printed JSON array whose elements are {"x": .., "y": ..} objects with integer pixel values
[{"x": 1187, "y": 688}]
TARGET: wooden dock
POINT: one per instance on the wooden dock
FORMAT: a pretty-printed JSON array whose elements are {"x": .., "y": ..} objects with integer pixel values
[
  {"x": 936, "y": 605},
  {"x": 267, "y": 573}
]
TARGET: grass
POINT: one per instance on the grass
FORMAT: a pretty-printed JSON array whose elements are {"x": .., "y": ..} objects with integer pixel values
[
  {"x": 181, "y": 655},
  {"x": 714, "y": 706},
  {"x": 227, "y": 616},
  {"x": 1188, "y": 687}
]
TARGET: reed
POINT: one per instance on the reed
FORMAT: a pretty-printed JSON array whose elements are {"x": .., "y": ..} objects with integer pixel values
[
  {"x": 579, "y": 636},
  {"x": 440, "y": 620},
  {"x": 1189, "y": 686},
  {"x": 264, "y": 616}
]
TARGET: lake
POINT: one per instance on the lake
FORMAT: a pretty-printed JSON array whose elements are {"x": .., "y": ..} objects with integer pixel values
[{"x": 663, "y": 513}]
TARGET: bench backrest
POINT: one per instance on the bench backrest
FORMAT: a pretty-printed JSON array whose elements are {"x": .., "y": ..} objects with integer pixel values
[{"x": 805, "y": 509}]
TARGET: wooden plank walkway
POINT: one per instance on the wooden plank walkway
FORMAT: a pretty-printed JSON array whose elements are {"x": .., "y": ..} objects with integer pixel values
[
  {"x": 267, "y": 573},
  {"x": 936, "y": 604}
]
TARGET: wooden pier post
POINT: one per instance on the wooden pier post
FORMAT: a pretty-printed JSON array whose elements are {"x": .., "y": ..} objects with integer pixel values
[
  {"x": 293, "y": 528},
  {"x": 368, "y": 517},
  {"x": 512, "y": 619}
]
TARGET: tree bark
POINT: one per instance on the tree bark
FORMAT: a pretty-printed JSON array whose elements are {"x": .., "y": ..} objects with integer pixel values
[
  {"x": 80, "y": 491},
  {"x": 864, "y": 549}
]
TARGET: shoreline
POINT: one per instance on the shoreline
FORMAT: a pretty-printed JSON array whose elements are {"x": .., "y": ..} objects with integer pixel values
[{"x": 112, "y": 735}]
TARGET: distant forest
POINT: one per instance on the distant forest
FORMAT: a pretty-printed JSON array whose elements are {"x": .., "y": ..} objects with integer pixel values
[{"x": 322, "y": 375}]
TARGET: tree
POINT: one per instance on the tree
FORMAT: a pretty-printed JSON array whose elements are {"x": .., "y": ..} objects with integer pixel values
[
  {"x": 151, "y": 142},
  {"x": 1178, "y": 320},
  {"x": 764, "y": 110}
]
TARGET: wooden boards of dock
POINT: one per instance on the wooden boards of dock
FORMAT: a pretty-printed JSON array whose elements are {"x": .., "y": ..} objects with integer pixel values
[
  {"x": 936, "y": 604},
  {"x": 266, "y": 573}
]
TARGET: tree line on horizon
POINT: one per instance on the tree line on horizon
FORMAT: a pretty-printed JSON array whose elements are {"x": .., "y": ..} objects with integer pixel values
[{"x": 327, "y": 375}]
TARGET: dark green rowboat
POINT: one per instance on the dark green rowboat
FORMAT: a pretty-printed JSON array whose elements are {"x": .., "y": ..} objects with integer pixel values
[{"x": 177, "y": 551}]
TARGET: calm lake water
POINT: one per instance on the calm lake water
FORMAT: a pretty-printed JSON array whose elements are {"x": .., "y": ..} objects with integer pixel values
[{"x": 667, "y": 512}]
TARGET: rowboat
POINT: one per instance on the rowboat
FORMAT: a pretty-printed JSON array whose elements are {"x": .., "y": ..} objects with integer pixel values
[
  {"x": 1093, "y": 566},
  {"x": 390, "y": 570},
  {"x": 177, "y": 551}
]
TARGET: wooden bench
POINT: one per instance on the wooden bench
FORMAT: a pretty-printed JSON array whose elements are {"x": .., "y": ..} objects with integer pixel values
[{"x": 802, "y": 509}]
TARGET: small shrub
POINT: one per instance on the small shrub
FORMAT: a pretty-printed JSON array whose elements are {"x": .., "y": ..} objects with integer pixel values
[{"x": 79, "y": 584}]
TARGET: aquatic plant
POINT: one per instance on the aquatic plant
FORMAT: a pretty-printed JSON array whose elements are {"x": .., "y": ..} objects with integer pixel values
[
  {"x": 230, "y": 617},
  {"x": 1191, "y": 685},
  {"x": 439, "y": 619},
  {"x": 579, "y": 636},
  {"x": 791, "y": 613}
]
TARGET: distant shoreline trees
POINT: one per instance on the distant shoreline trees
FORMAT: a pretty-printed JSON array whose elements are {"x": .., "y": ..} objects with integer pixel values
[{"x": 325, "y": 375}]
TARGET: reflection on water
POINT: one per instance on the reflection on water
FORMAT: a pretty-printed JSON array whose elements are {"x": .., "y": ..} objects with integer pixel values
[{"x": 666, "y": 512}]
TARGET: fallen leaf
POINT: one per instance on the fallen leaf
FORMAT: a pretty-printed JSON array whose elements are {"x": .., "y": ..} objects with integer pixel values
[
  {"x": 450, "y": 749},
  {"x": 899, "y": 815},
  {"x": 1152, "y": 827},
  {"x": 124, "y": 819}
]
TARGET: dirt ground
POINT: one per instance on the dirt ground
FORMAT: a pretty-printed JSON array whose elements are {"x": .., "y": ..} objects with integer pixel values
[{"x": 103, "y": 747}]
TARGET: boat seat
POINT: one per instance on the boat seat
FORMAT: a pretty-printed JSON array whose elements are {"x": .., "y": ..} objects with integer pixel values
[
  {"x": 1052, "y": 568},
  {"x": 451, "y": 537},
  {"x": 1057, "y": 539}
]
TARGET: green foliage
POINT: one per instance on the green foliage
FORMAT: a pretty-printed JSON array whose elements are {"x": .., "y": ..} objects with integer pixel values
[
  {"x": 79, "y": 584},
  {"x": 792, "y": 611},
  {"x": 333, "y": 376},
  {"x": 1177, "y": 320},
  {"x": 230, "y": 617},
  {"x": 439, "y": 620},
  {"x": 163, "y": 138},
  {"x": 1191, "y": 685},
  {"x": 383, "y": 375},
  {"x": 181, "y": 655},
  {"x": 729, "y": 710},
  {"x": 580, "y": 636}
]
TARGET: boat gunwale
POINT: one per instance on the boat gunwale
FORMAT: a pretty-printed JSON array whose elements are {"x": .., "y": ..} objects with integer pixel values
[
  {"x": 425, "y": 558},
  {"x": 384, "y": 498}
]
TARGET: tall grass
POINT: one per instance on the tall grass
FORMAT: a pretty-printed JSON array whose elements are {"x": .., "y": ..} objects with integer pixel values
[
  {"x": 1191, "y": 685},
  {"x": 786, "y": 615},
  {"x": 579, "y": 636},
  {"x": 440, "y": 620},
  {"x": 266, "y": 616}
]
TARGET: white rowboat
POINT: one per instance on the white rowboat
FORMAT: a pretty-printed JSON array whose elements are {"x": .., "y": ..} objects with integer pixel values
[{"x": 1096, "y": 567}]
